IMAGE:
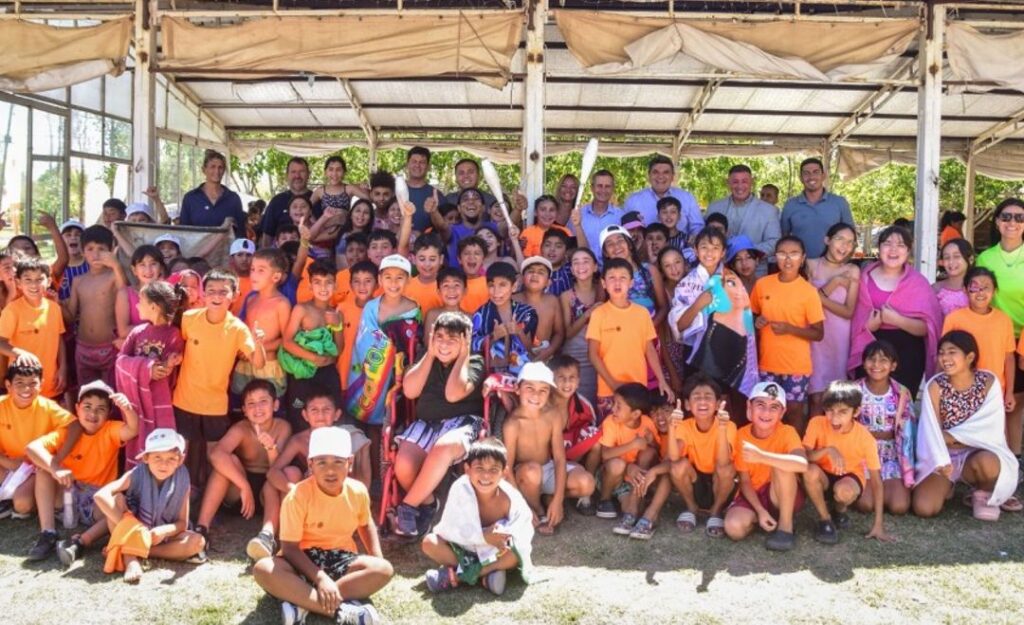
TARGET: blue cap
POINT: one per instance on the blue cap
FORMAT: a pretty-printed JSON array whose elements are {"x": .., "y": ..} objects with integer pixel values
[{"x": 739, "y": 243}]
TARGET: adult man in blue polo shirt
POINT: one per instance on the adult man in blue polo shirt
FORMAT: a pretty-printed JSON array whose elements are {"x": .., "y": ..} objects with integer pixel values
[
  {"x": 600, "y": 213},
  {"x": 810, "y": 214},
  {"x": 276, "y": 213},
  {"x": 417, "y": 167},
  {"x": 661, "y": 173}
]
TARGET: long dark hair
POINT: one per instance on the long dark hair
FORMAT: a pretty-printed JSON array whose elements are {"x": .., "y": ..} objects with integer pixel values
[
  {"x": 349, "y": 227},
  {"x": 171, "y": 300}
]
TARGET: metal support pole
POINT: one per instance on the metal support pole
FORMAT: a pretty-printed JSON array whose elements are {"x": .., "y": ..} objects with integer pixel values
[
  {"x": 143, "y": 104},
  {"x": 533, "y": 110},
  {"x": 371, "y": 164},
  {"x": 929, "y": 135},
  {"x": 969, "y": 199}
]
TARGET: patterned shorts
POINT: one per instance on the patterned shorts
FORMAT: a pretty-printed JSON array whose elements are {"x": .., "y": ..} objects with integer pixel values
[
  {"x": 794, "y": 385},
  {"x": 84, "y": 505},
  {"x": 334, "y": 562}
]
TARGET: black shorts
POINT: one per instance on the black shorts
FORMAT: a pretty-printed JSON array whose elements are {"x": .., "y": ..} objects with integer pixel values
[
  {"x": 833, "y": 479},
  {"x": 334, "y": 562},
  {"x": 196, "y": 427},
  {"x": 256, "y": 482},
  {"x": 1018, "y": 381},
  {"x": 704, "y": 490}
]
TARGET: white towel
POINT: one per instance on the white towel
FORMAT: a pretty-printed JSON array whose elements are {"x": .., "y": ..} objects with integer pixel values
[
  {"x": 686, "y": 293},
  {"x": 986, "y": 429},
  {"x": 15, "y": 479},
  {"x": 460, "y": 523}
]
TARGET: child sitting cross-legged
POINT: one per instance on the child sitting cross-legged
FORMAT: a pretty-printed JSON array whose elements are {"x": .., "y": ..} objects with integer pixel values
[
  {"x": 320, "y": 569},
  {"x": 147, "y": 509},
  {"x": 486, "y": 528},
  {"x": 240, "y": 461},
  {"x": 536, "y": 452},
  {"x": 769, "y": 456},
  {"x": 841, "y": 451},
  {"x": 89, "y": 464}
]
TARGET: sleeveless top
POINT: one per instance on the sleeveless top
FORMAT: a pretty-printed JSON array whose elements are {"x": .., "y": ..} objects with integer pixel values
[
  {"x": 642, "y": 291},
  {"x": 576, "y": 307},
  {"x": 341, "y": 200},
  {"x": 955, "y": 406},
  {"x": 950, "y": 300}
]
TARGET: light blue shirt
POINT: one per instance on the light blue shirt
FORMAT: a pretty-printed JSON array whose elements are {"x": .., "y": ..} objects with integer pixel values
[
  {"x": 755, "y": 218},
  {"x": 593, "y": 224},
  {"x": 810, "y": 222},
  {"x": 645, "y": 202}
]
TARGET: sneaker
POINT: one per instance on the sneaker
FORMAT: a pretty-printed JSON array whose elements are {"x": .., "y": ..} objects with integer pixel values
[
  {"x": 585, "y": 506},
  {"x": 625, "y": 525},
  {"x": 842, "y": 520},
  {"x": 292, "y": 614},
  {"x": 355, "y": 613},
  {"x": 441, "y": 579},
  {"x": 780, "y": 541},
  {"x": 606, "y": 510},
  {"x": 643, "y": 530},
  {"x": 261, "y": 546},
  {"x": 425, "y": 516},
  {"x": 6, "y": 508},
  {"x": 199, "y": 558},
  {"x": 495, "y": 582},
  {"x": 826, "y": 533},
  {"x": 44, "y": 546},
  {"x": 69, "y": 550},
  {"x": 406, "y": 521}
]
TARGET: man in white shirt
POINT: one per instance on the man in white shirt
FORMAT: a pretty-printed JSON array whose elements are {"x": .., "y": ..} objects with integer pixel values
[{"x": 661, "y": 173}]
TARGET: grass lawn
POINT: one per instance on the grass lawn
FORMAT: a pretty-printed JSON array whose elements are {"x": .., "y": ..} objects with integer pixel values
[{"x": 947, "y": 570}]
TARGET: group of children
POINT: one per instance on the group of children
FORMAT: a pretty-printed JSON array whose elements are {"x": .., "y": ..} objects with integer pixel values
[{"x": 273, "y": 385}]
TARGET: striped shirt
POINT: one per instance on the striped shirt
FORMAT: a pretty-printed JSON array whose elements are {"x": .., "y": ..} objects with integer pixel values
[{"x": 70, "y": 273}]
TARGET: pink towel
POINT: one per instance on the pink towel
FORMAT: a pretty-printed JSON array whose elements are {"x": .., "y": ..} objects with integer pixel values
[
  {"x": 151, "y": 398},
  {"x": 912, "y": 297}
]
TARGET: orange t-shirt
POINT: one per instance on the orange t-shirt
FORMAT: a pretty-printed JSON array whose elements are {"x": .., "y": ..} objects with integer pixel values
[
  {"x": 93, "y": 459},
  {"x": 622, "y": 335},
  {"x": 210, "y": 352},
  {"x": 425, "y": 294},
  {"x": 797, "y": 303},
  {"x": 351, "y": 315},
  {"x": 244, "y": 287},
  {"x": 312, "y": 518},
  {"x": 783, "y": 440},
  {"x": 21, "y": 426},
  {"x": 992, "y": 331},
  {"x": 343, "y": 287},
  {"x": 614, "y": 434},
  {"x": 532, "y": 237},
  {"x": 476, "y": 295},
  {"x": 701, "y": 447},
  {"x": 948, "y": 234},
  {"x": 36, "y": 329},
  {"x": 857, "y": 447}
]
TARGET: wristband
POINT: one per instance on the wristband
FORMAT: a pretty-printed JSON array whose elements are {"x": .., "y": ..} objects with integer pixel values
[
  {"x": 304, "y": 243},
  {"x": 338, "y": 327}
]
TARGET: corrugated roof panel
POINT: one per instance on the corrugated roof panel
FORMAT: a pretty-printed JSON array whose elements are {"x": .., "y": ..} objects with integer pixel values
[
  {"x": 654, "y": 121},
  {"x": 764, "y": 124},
  {"x": 732, "y": 97}
]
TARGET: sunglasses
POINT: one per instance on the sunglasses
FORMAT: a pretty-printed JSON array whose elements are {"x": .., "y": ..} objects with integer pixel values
[{"x": 1008, "y": 217}]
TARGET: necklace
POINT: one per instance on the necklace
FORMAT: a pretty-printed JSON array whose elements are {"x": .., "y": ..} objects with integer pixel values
[{"x": 1011, "y": 259}]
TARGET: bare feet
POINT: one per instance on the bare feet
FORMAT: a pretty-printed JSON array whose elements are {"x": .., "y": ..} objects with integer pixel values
[{"x": 132, "y": 570}]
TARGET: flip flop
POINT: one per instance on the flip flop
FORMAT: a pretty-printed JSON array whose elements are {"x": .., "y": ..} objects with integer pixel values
[
  {"x": 982, "y": 511},
  {"x": 715, "y": 527},
  {"x": 1013, "y": 504},
  {"x": 686, "y": 522}
]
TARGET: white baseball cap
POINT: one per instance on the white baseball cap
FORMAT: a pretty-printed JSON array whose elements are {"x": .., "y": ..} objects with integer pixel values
[
  {"x": 769, "y": 390},
  {"x": 71, "y": 223},
  {"x": 162, "y": 439},
  {"x": 168, "y": 238},
  {"x": 611, "y": 230},
  {"x": 396, "y": 261},
  {"x": 242, "y": 246},
  {"x": 330, "y": 441},
  {"x": 537, "y": 260},
  {"x": 95, "y": 385},
  {"x": 536, "y": 372},
  {"x": 138, "y": 207}
]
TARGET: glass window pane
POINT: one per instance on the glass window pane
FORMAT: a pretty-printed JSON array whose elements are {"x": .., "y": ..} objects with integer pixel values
[
  {"x": 47, "y": 134},
  {"x": 88, "y": 94},
  {"x": 119, "y": 95},
  {"x": 47, "y": 192},
  {"x": 117, "y": 140},
  {"x": 86, "y": 132},
  {"x": 13, "y": 178},
  {"x": 181, "y": 118},
  {"x": 167, "y": 175},
  {"x": 92, "y": 183}
]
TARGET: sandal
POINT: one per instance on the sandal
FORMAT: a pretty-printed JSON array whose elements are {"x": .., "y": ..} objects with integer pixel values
[
  {"x": 1013, "y": 504},
  {"x": 983, "y": 511},
  {"x": 686, "y": 522},
  {"x": 715, "y": 527}
]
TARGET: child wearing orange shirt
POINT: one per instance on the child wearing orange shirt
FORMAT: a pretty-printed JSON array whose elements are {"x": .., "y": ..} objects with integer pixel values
[
  {"x": 620, "y": 338},
  {"x": 841, "y": 451},
  {"x": 545, "y": 212},
  {"x": 629, "y": 446},
  {"x": 768, "y": 457},
  {"x": 789, "y": 319},
  {"x": 31, "y": 327},
  {"x": 90, "y": 464},
  {"x": 472, "y": 251},
  {"x": 213, "y": 339},
  {"x": 320, "y": 569},
  {"x": 25, "y": 416},
  {"x": 355, "y": 252},
  {"x": 363, "y": 285},
  {"x": 428, "y": 254}
]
